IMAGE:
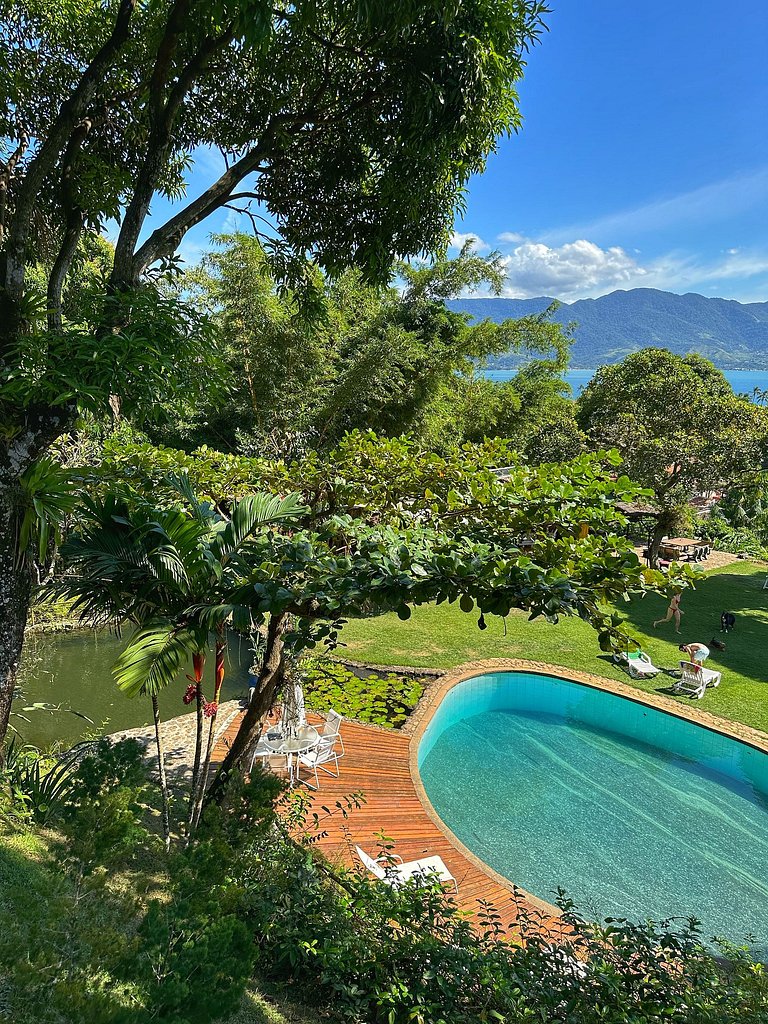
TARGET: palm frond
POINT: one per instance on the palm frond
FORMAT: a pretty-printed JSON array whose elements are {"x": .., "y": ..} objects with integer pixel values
[
  {"x": 202, "y": 511},
  {"x": 48, "y": 498},
  {"x": 153, "y": 658},
  {"x": 253, "y": 513}
]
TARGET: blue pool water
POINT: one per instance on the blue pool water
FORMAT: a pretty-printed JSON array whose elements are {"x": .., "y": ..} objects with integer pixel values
[{"x": 634, "y": 812}]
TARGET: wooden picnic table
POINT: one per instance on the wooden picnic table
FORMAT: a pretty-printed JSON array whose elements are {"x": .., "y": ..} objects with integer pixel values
[{"x": 680, "y": 542}]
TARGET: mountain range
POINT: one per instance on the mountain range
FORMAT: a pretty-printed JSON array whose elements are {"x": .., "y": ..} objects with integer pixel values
[{"x": 734, "y": 335}]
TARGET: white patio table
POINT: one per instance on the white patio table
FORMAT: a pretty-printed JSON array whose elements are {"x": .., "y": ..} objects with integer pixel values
[{"x": 305, "y": 738}]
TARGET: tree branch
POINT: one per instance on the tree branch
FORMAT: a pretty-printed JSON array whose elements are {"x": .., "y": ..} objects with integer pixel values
[
  {"x": 165, "y": 240},
  {"x": 126, "y": 268},
  {"x": 6, "y": 176},
  {"x": 72, "y": 111},
  {"x": 73, "y": 226}
]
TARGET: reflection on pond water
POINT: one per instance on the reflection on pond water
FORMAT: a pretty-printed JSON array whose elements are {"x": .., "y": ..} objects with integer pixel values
[{"x": 74, "y": 670}]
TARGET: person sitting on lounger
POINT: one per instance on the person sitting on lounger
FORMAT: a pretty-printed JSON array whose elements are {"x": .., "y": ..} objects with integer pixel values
[{"x": 697, "y": 653}]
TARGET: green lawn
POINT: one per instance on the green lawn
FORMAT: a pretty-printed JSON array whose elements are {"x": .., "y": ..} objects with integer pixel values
[{"x": 441, "y": 636}]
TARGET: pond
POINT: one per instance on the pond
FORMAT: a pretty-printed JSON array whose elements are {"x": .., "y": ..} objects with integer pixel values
[
  {"x": 635, "y": 812},
  {"x": 74, "y": 670}
]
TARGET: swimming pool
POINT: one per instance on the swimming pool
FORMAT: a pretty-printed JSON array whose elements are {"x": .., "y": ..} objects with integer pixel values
[{"x": 633, "y": 811}]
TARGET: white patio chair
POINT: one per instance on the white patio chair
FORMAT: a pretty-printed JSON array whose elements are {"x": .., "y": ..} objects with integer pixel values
[
  {"x": 423, "y": 871},
  {"x": 694, "y": 679},
  {"x": 268, "y": 758},
  {"x": 318, "y": 757},
  {"x": 330, "y": 734}
]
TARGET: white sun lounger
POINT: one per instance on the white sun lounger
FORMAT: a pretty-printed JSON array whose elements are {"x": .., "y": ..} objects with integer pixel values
[
  {"x": 640, "y": 666},
  {"x": 423, "y": 871},
  {"x": 694, "y": 679}
]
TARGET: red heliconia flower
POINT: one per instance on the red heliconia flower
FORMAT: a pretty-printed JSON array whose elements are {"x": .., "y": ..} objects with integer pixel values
[
  {"x": 210, "y": 709},
  {"x": 190, "y": 693}
]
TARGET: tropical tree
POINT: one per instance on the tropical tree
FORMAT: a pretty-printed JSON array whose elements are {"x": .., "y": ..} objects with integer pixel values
[
  {"x": 678, "y": 425},
  {"x": 531, "y": 409},
  {"x": 130, "y": 562},
  {"x": 393, "y": 359},
  {"x": 363, "y": 123},
  {"x": 392, "y": 525}
]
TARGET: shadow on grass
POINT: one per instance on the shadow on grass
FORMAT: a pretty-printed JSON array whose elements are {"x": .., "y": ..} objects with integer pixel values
[{"x": 56, "y": 952}]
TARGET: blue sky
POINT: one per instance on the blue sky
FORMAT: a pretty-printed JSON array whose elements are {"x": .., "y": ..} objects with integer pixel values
[{"x": 643, "y": 160}]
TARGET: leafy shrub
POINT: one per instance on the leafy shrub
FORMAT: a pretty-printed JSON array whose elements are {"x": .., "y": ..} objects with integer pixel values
[
  {"x": 381, "y": 700},
  {"x": 741, "y": 540},
  {"x": 103, "y": 812},
  {"x": 38, "y": 786},
  {"x": 197, "y": 951},
  {"x": 78, "y": 942},
  {"x": 410, "y": 956}
]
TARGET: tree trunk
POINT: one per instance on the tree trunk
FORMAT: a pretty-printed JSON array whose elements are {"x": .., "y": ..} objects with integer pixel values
[
  {"x": 161, "y": 771},
  {"x": 198, "y": 663},
  {"x": 30, "y": 436},
  {"x": 221, "y": 648},
  {"x": 270, "y": 678},
  {"x": 664, "y": 521},
  {"x": 15, "y": 594}
]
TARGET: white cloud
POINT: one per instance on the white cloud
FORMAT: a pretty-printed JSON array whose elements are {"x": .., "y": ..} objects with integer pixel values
[
  {"x": 583, "y": 269},
  {"x": 574, "y": 270},
  {"x": 508, "y": 237},
  {"x": 459, "y": 240}
]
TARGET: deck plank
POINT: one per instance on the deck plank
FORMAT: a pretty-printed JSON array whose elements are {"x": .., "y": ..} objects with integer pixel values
[{"x": 376, "y": 763}]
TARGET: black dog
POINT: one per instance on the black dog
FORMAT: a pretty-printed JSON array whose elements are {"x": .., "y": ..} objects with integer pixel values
[{"x": 727, "y": 622}]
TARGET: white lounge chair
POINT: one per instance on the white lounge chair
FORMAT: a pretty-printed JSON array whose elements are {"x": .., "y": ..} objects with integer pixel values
[
  {"x": 694, "y": 679},
  {"x": 640, "y": 665},
  {"x": 423, "y": 871}
]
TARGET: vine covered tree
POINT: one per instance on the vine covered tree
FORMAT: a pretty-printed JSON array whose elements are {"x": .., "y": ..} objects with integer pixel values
[{"x": 353, "y": 127}]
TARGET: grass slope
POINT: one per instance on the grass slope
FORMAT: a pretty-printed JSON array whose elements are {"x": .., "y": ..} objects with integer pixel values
[
  {"x": 39, "y": 914},
  {"x": 441, "y": 636}
]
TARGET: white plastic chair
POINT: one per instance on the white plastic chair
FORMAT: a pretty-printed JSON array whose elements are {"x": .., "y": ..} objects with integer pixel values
[
  {"x": 423, "y": 871},
  {"x": 694, "y": 679}
]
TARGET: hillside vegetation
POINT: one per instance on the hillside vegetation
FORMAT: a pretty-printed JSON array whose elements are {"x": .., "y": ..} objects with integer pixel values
[{"x": 734, "y": 335}]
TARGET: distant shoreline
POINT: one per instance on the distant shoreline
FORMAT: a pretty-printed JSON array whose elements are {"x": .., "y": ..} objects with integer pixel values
[{"x": 742, "y": 381}]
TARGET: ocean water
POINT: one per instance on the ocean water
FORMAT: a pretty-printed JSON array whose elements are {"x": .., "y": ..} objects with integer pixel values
[
  {"x": 634, "y": 812},
  {"x": 742, "y": 381}
]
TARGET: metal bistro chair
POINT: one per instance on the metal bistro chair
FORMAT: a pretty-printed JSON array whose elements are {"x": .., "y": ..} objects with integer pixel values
[
  {"x": 269, "y": 758},
  {"x": 324, "y": 754},
  {"x": 331, "y": 731}
]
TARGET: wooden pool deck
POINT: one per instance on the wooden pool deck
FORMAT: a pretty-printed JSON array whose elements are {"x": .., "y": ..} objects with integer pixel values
[{"x": 377, "y": 763}]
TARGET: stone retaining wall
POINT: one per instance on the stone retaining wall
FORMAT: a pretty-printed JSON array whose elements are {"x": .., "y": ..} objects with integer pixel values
[{"x": 178, "y": 735}]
